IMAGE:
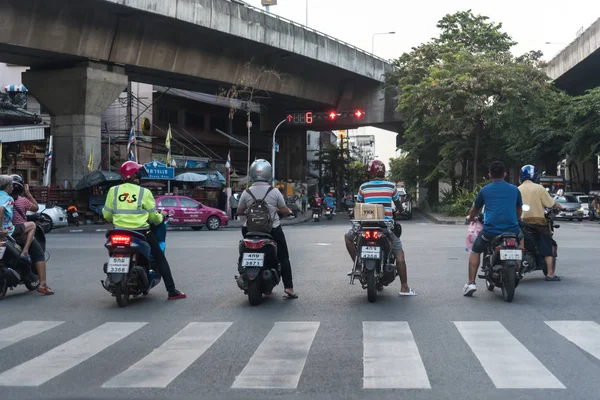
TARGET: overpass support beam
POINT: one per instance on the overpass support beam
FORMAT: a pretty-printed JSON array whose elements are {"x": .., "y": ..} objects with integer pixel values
[{"x": 76, "y": 97}]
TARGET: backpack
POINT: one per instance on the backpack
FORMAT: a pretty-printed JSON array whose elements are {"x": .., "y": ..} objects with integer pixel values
[{"x": 258, "y": 215}]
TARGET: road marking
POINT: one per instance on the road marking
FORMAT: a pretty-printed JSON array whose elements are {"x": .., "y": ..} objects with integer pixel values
[
  {"x": 23, "y": 330},
  {"x": 323, "y": 244},
  {"x": 68, "y": 355},
  {"x": 391, "y": 358},
  {"x": 159, "y": 368},
  {"x": 279, "y": 360},
  {"x": 585, "y": 334},
  {"x": 506, "y": 361}
]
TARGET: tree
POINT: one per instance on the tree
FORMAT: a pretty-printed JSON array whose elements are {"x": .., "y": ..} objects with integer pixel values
[
  {"x": 357, "y": 175},
  {"x": 247, "y": 91}
]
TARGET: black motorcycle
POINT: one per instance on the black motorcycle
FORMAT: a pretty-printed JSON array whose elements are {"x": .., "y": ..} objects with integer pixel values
[
  {"x": 499, "y": 268},
  {"x": 532, "y": 260},
  {"x": 316, "y": 213},
  {"x": 375, "y": 259},
  {"x": 15, "y": 270},
  {"x": 130, "y": 269},
  {"x": 258, "y": 266}
]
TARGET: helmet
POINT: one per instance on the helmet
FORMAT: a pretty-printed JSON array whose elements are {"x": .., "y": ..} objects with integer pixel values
[
  {"x": 376, "y": 168},
  {"x": 528, "y": 172},
  {"x": 260, "y": 171},
  {"x": 132, "y": 170},
  {"x": 18, "y": 187}
]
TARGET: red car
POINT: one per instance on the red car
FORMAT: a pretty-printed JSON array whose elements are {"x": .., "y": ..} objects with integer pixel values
[{"x": 184, "y": 211}]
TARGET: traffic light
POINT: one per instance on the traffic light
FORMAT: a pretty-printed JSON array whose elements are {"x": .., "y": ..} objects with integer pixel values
[
  {"x": 332, "y": 115},
  {"x": 358, "y": 114}
]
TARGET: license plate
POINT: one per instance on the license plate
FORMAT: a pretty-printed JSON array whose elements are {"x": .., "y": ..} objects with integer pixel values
[
  {"x": 118, "y": 265},
  {"x": 327, "y": 212},
  {"x": 371, "y": 252},
  {"x": 75, "y": 215},
  {"x": 510, "y": 254},
  {"x": 2, "y": 250},
  {"x": 569, "y": 214},
  {"x": 253, "y": 259},
  {"x": 315, "y": 215}
]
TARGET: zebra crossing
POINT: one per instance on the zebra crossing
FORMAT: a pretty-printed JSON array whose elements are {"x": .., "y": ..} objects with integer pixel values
[{"x": 390, "y": 354}]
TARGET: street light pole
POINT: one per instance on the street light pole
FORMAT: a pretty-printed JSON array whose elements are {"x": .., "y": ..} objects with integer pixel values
[
  {"x": 306, "y": 23},
  {"x": 373, "y": 39},
  {"x": 273, "y": 153}
]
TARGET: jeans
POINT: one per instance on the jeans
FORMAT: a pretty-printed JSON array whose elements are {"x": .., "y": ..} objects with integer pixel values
[{"x": 282, "y": 254}]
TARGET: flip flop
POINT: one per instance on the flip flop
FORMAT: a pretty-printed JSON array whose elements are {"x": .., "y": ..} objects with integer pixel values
[
  {"x": 288, "y": 296},
  {"x": 409, "y": 293},
  {"x": 553, "y": 279}
]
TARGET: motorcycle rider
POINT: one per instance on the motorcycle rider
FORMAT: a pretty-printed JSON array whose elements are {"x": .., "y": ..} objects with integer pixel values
[
  {"x": 503, "y": 207},
  {"x": 380, "y": 191},
  {"x": 22, "y": 205},
  {"x": 538, "y": 198},
  {"x": 130, "y": 206},
  {"x": 330, "y": 202},
  {"x": 260, "y": 174}
]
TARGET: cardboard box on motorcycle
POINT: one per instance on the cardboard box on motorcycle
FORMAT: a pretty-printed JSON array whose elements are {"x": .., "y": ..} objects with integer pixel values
[{"x": 365, "y": 212}]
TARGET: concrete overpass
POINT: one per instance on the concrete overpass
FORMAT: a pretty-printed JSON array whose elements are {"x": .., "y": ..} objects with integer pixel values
[
  {"x": 83, "y": 52},
  {"x": 576, "y": 68}
]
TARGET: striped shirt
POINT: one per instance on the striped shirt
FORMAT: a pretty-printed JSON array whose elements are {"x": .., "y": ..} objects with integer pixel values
[{"x": 379, "y": 192}]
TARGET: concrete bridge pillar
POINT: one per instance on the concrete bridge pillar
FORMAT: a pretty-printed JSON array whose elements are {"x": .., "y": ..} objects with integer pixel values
[{"x": 76, "y": 97}]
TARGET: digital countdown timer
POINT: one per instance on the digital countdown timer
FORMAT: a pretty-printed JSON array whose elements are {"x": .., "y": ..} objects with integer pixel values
[{"x": 310, "y": 117}]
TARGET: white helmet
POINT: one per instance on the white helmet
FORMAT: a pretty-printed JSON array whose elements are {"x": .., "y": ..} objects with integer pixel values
[{"x": 260, "y": 171}]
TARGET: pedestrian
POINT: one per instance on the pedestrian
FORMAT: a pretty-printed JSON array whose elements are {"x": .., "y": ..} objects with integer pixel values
[
  {"x": 223, "y": 201},
  {"x": 260, "y": 174},
  {"x": 303, "y": 198},
  {"x": 23, "y": 204},
  {"x": 234, "y": 206}
]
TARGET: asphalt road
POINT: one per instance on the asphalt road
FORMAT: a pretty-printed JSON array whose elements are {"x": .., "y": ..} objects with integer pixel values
[{"x": 328, "y": 344}]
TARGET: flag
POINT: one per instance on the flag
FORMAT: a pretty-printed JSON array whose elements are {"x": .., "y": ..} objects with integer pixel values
[
  {"x": 228, "y": 163},
  {"x": 91, "y": 162},
  {"x": 130, "y": 144},
  {"x": 48, "y": 164},
  {"x": 168, "y": 146}
]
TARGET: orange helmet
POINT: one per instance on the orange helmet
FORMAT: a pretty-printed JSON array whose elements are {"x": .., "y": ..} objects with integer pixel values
[{"x": 131, "y": 170}]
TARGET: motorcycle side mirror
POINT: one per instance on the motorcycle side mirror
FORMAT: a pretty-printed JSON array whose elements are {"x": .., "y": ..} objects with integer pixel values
[{"x": 526, "y": 207}]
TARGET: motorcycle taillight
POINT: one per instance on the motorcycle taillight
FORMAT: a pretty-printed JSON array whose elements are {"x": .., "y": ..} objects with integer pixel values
[
  {"x": 371, "y": 234},
  {"x": 254, "y": 244},
  {"x": 510, "y": 242},
  {"x": 120, "y": 240}
]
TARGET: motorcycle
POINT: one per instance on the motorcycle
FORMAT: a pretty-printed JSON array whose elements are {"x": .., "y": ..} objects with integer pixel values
[
  {"x": 316, "y": 213},
  {"x": 72, "y": 215},
  {"x": 130, "y": 270},
  {"x": 15, "y": 270},
  {"x": 258, "y": 266},
  {"x": 375, "y": 259},
  {"x": 532, "y": 260},
  {"x": 499, "y": 266},
  {"x": 328, "y": 213}
]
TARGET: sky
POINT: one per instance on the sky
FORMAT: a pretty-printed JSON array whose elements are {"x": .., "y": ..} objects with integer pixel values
[{"x": 531, "y": 23}]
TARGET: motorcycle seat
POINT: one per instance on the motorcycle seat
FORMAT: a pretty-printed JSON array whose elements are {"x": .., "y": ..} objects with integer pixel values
[
  {"x": 258, "y": 234},
  {"x": 133, "y": 233},
  {"x": 498, "y": 238}
]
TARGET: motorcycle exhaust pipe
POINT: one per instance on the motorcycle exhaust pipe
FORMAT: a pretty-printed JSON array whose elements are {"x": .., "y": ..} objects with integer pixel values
[
  {"x": 267, "y": 275},
  {"x": 389, "y": 268},
  {"x": 15, "y": 274}
]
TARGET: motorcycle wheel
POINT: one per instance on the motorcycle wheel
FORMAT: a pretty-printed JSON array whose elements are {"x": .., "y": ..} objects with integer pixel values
[
  {"x": 3, "y": 288},
  {"x": 122, "y": 294},
  {"x": 489, "y": 286},
  {"x": 254, "y": 293},
  {"x": 509, "y": 284},
  {"x": 371, "y": 286}
]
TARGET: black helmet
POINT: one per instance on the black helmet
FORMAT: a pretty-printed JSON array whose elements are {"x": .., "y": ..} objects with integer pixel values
[{"x": 18, "y": 187}]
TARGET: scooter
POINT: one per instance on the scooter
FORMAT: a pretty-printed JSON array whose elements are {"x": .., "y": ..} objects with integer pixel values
[{"x": 16, "y": 270}]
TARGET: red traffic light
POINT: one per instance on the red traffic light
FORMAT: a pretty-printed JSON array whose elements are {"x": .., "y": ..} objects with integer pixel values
[
  {"x": 332, "y": 115},
  {"x": 358, "y": 113}
]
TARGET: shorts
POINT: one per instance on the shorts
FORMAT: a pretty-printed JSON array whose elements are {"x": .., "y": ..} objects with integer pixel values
[
  {"x": 544, "y": 244},
  {"x": 396, "y": 242},
  {"x": 483, "y": 239}
]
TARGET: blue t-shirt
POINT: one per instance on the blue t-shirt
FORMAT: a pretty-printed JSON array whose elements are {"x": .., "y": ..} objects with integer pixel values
[
  {"x": 501, "y": 200},
  {"x": 329, "y": 201}
]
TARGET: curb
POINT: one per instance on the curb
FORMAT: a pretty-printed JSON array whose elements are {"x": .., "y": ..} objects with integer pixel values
[
  {"x": 64, "y": 231},
  {"x": 440, "y": 221}
]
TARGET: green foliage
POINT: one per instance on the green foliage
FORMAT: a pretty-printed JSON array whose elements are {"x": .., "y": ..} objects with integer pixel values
[
  {"x": 356, "y": 175},
  {"x": 582, "y": 116},
  {"x": 459, "y": 202}
]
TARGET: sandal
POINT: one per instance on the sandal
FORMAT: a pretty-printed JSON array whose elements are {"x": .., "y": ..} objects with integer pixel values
[
  {"x": 553, "y": 278},
  {"x": 45, "y": 290},
  {"x": 289, "y": 296}
]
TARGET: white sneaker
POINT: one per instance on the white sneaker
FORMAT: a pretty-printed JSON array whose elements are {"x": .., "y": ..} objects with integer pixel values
[{"x": 469, "y": 289}]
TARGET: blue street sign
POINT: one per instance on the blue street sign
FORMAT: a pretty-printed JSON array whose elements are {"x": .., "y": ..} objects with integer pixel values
[
  {"x": 158, "y": 170},
  {"x": 276, "y": 147}
]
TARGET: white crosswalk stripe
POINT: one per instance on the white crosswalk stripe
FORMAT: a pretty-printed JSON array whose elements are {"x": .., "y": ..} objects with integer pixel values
[
  {"x": 279, "y": 360},
  {"x": 24, "y": 330},
  {"x": 168, "y": 361},
  {"x": 66, "y": 356},
  {"x": 391, "y": 358},
  {"x": 585, "y": 334},
  {"x": 506, "y": 361}
]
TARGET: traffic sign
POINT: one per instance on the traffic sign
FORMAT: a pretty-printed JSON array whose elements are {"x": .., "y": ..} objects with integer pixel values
[{"x": 158, "y": 170}]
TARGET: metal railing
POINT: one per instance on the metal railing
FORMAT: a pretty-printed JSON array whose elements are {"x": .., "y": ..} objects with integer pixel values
[{"x": 289, "y": 21}]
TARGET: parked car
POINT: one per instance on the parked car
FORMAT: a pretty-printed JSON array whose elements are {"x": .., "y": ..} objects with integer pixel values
[
  {"x": 50, "y": 217},
  {"x": 184, "y": 211},
  {"x": 572, "y": 208}
]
